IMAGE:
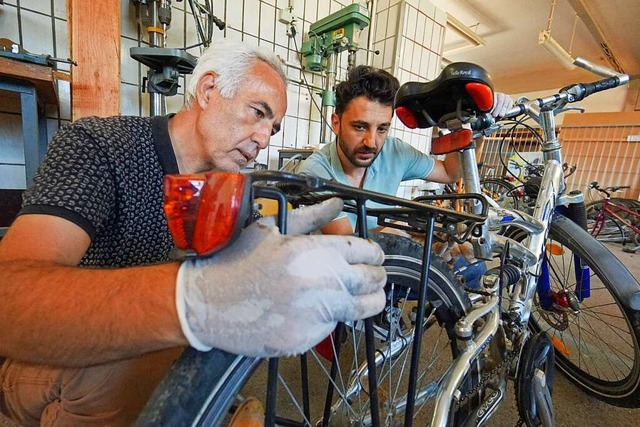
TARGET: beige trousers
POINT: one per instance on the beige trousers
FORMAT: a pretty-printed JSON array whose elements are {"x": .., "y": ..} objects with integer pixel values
[{"x": 112, "y": 394}]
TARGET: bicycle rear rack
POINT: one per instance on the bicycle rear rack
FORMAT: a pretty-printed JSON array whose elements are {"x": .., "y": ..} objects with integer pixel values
[{"x": 409, "y": 215}]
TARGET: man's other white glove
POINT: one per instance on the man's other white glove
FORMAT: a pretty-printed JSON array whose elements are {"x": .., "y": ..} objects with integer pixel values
[
  {"x": 271, "y": 295},
  {"x": 501, "y": 104}
]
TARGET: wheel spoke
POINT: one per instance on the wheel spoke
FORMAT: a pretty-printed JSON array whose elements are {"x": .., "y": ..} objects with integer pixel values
[{"x": 597, "y": 345}]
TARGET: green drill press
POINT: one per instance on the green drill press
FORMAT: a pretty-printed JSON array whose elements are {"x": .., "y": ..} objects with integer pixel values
[{"x": 328, "y": 37}]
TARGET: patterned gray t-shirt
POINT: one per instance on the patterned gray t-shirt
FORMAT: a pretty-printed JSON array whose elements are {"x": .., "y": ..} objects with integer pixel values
[{"x": 106, "y": 175}]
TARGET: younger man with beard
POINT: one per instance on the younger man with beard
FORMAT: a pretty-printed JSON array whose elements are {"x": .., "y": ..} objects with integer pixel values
[{"x": 365, "y": 156}]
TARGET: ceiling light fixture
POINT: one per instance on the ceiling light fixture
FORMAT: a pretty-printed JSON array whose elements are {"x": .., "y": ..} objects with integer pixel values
[
  {"x": 549, "y": 43},
  {"x": 465, "y": 32},
  {"x": 472, "y": 40}
]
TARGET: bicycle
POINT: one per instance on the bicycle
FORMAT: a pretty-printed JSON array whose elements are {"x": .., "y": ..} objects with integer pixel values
[
  {"x": 614, "y": 220},
  {"x": 550, "y": 304},
  {"x": 441, "y": 353}
]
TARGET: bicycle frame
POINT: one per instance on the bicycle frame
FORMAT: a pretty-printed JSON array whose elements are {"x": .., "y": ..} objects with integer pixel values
[
  {"x": 537, "y": 226},
  {"x": 529, "y": 254},
  {"x": 608, "y": 209}
]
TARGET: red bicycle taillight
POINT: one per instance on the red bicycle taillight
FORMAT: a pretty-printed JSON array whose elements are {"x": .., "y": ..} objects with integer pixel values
[
  {"x": 219, "y": 211},
  {"x": 482, "y": 95},
  {"x": 181, "y": 203},
  {"x": 203, "y": 211},
  {"x": 451, "y": 142},
  {"x": 407, "y": 117}
]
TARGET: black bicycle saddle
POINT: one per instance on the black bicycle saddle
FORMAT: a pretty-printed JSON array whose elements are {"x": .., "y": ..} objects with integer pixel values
[{"x": 422, "y": 105}]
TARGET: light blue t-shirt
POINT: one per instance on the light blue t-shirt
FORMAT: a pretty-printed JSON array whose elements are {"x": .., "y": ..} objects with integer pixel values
[{"x": 397, "y": 162}]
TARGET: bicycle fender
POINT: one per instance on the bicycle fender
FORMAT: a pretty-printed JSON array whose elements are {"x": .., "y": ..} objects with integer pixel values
[{"x": 627, "y": 288}]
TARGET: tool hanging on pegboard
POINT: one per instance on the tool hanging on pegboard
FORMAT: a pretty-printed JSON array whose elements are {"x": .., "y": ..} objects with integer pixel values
[{"x": 11, "y": 49}]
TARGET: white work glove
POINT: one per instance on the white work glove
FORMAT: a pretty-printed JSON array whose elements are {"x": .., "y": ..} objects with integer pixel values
[
  {"x": 501, "y": 104},
  {"x": 270, "y": 295}
]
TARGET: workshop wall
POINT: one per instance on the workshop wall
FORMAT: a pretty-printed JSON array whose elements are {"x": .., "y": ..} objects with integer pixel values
[
  {"x": 40, "y": 27},
  {"x": 409, "y": 35},
  {"x": 256, "y": 22}
]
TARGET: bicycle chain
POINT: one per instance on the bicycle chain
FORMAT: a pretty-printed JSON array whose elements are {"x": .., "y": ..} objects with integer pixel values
[
  {"x": 485, "y": 379},
  {"x": 510, "y": 356},
  {"x": 487, "y": 376}
]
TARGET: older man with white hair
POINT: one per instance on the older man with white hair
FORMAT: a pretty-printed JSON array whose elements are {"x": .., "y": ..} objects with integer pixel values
[{"x": 94, "y": 311}]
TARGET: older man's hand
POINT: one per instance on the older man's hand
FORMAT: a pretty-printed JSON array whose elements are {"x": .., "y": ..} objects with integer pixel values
[{"x": 271, "y": 295}]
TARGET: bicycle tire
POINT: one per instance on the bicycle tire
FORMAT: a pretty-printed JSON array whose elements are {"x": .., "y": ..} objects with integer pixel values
[
  {"x": 210, "y": 401},
  {"x": 597, "y": 346},
  {"x": 501, "y": 191}
]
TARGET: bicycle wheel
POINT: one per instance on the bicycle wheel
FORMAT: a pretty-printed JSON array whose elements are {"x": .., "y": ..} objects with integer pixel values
[
  {"x": 603, "y": 227},
  {"x": 501, "y": 191},
  {"x": 301, "y": 403},
  {"x": 596, "y": 337}
]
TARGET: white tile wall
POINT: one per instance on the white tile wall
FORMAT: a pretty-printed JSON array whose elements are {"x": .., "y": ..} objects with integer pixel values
[
  {"x": 392, "y": 20},
  {"x": 128, "y": 23},
  {"x": 129, "y": 103},
  {"x": 176, "y": 30},
  {"x": 37, "y": 34},
  {"x": 129, "y": 69},
  {"x": 267, "y": 22},
  {"x": 43, "y": 6},
  {"x": 234, "y": 16},
  {"x": 62, "y": 43},
  {"x": 251, "y": 17},
  {"x": 60, "y": 9},
  {"x": 381, "y": 29},
  {"x": 9, "y": 23},
  {"x": 175, "y": 103},
  {"x": 311, "y": 11},
  {"x": 323, "y": 8}
]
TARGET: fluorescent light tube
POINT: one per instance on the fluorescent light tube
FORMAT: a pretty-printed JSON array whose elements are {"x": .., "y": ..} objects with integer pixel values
[{"x": 545, "y": 39}]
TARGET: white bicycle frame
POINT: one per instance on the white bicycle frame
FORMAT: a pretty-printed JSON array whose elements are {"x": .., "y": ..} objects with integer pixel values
[
  {"x": 530, "y": 254},
  {"x": 537, "y": 226}
]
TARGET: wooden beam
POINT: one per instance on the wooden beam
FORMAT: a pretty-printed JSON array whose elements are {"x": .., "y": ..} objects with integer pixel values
[{"x": 94, "y": 38}]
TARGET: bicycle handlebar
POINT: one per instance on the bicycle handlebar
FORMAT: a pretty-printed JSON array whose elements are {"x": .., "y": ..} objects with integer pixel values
[
  {"x": 607, "y": 190},
  {"x": 575, "y": 92},
  {"x": 596, "y": 69}
]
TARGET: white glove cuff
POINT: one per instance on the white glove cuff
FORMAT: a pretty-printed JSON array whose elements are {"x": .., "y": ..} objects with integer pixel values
[{"x": 181, "y": 307}]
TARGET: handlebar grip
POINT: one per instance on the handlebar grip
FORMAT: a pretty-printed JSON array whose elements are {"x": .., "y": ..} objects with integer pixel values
[
  {"x": 219, "y": 22},
  {"x": 601, "y": 85},
  {"x": 618, "y": 187}
]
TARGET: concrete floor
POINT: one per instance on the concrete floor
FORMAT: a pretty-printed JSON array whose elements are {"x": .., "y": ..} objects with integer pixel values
[{"x": 572, "y": 406}]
